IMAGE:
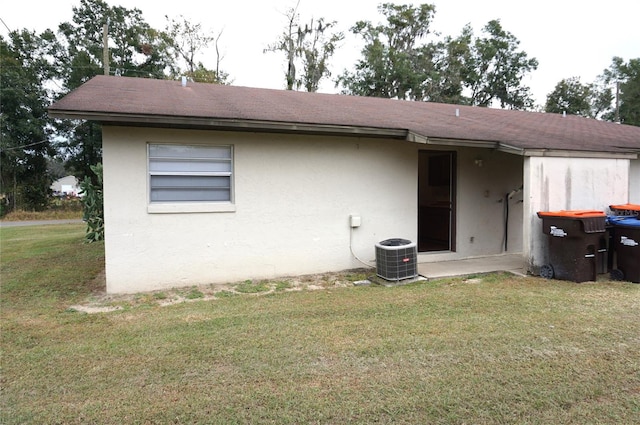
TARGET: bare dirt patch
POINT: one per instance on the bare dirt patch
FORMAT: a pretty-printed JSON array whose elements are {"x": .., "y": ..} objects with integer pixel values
[{"x": 101, "y": 302}]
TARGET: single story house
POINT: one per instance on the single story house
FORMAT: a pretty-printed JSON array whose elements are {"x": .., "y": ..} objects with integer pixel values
[
  {"x": 208, "y": 183},
  {"x": 67, "y": 185}
]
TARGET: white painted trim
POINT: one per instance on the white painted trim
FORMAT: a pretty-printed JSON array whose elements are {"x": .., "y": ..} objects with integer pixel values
[
  {"x": 196, "y": 207},
  {"x": 553, "y": 153}
]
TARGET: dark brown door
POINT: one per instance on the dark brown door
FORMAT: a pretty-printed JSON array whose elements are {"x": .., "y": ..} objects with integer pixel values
[{"x": 436, "y": 201}]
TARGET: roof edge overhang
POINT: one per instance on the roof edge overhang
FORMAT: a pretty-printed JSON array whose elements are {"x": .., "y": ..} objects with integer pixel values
[
  {"x": 556, "y": 153},
  {"x": 230, "y": 124},
  {"x": 167, "y": 121},
  {"x": 439, "y": 141}
]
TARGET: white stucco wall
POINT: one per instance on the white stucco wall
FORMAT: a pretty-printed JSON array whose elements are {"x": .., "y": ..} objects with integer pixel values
[
  {"x": 293, "y": 199},
  {"x": 634, "y": 182},
  {"x": 293, "y": 196},
  {"x": 553, "y": 184},
  {"x": 480, "y": 205}
]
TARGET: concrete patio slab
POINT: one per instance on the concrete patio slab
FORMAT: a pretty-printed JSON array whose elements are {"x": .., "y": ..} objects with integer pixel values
[{"x": 512, "y": 263}]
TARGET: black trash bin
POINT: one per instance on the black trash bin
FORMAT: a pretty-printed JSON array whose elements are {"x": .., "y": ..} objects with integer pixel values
[
  {"x": 626, "y": 246},
  {"x": 577, "y": 244},
  {"x": 396, "y": 259},
  {"x": 624, "y": 210}
]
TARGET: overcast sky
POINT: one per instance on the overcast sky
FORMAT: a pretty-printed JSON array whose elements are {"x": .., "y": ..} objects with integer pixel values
[{"x": 568, "y": 37}]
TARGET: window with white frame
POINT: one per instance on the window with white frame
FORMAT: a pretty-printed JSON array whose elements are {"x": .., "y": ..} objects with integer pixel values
[{"x": 190, "y": 173}]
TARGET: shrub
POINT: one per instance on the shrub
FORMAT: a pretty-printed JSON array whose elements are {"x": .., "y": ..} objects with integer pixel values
[{"x": 93, "y": 206}]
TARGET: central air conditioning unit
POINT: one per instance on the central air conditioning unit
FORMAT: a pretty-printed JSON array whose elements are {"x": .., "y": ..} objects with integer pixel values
[{"x": 396, "y": 259}]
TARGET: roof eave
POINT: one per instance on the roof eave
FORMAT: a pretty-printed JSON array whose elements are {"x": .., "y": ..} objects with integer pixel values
[
  {"x": 486, "y": 144},
  {"x": 559, "y": 153},
  {"x": 508, "y": 148},
  {"x": 234, "y": 124},
  {"x": 168, "y": 121}
]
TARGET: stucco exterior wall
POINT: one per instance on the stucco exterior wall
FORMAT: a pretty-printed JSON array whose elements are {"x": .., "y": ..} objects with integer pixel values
[
  {"x": 634, "y": 182},
  {"x": 553, "y": 184},
  {"x": 293, "y": 196},
  {"x": 484, "y": 178}
]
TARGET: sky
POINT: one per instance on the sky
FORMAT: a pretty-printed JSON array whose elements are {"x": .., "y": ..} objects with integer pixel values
[{"x": 569, "y": 38}]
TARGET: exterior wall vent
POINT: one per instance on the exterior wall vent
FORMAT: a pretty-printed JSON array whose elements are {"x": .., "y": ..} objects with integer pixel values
[{"x": 396, "y": 259}]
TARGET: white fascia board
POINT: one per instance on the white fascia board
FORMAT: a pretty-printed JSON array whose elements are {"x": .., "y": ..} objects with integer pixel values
[
  {"x": 229, "y": 124},
  {"x": 463, "y": 143},
  {"x": 557, "y": 153}
]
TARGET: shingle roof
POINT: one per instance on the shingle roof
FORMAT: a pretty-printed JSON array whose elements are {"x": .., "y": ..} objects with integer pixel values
[{"x": 138, "y": 100}]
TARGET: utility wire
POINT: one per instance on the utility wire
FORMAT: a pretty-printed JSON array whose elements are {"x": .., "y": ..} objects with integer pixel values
[
  {"x": 24, "y": 146},
  {"x": 5, "y": 25}
]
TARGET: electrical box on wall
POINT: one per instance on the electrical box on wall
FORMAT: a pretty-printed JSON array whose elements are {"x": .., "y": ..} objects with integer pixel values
[{"x": 355, "y": 220}]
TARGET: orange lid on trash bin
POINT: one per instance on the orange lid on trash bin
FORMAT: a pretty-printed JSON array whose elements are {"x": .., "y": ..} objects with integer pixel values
[
  {"x": 572, "y": 213},
  {"x": 626, "y": 207}
]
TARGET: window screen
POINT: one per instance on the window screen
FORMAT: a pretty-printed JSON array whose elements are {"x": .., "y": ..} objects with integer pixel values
[{"x": 190, "y": 173}]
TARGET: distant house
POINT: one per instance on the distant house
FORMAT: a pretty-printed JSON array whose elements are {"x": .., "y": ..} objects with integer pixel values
[
  {"x": 209, "y": 184},
  {"x": 66, "y": 186}
]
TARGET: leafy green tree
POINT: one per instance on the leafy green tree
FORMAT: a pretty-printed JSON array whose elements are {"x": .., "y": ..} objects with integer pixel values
[
  {"x": 496, "y": 69},
  {"x": 82, "y": 147},
  {"x": 398, "y": 62},
  {"x": 135, "y": 49},
  {"x": 601, "y": 100},
  {"x": 573, "y": 97},
  {"x": 447, "y": 82},
  {"x": 395, "y": 63},
  {"x": 626, "y": 76},
  {"x": 25, "y": 130},
  {"x": 570, "y": 96},
  {"x": 630, "y": 98}
]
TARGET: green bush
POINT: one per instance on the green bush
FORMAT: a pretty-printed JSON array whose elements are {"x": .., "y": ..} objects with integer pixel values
[{"x": 93, "y": 206}]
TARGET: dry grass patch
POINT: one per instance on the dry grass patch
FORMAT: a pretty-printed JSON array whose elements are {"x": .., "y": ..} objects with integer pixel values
[
  {"x": 100, "y": 301},
  {"x": 52, "y": 214}
]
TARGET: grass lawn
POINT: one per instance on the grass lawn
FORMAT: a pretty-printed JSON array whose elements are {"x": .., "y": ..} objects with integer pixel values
[{"x": 494, "y": 350}]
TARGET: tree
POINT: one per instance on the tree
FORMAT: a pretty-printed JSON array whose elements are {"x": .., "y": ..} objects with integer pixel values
[
  {"x": 27, "y": 64},
  {"x": 630, "y": 94},
  {"x": 394, "y": 62},
  {"x": 570, "y": 96},
  {"x": 316, "y": 53},
  {"x": 626, "y": 77},
  {"x": 313, "y": 45},
  {"x": 496, "y": 69},
  {"x": 187, "y": 41},
  {"x": 573, "y": 97},
  {"x": 289, "y": 43},
  {"x": 135, "y": 49},
  {"x": 601, "y": 100},
  {"x": 398, "y": 62},
  {"x": 450, "y": 63}
]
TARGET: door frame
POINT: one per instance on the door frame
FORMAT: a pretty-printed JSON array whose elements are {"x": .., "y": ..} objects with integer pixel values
[{"x": 437, "y": 189}]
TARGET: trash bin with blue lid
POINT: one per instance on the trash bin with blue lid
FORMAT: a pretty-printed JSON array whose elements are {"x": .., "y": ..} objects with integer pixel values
[
  {"x": 577, "y": 245},
  {"x": 626, "y": 246}
]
